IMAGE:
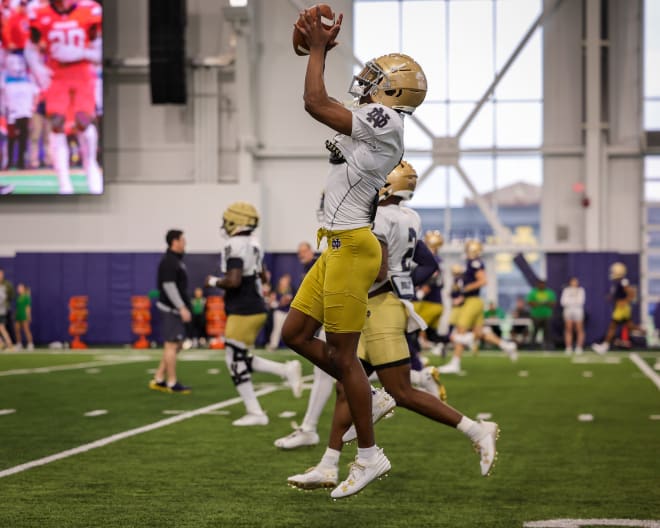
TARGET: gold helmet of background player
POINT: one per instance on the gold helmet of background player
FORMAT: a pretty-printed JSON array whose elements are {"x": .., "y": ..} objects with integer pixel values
[
  {"x": 400, "y": 182},
  {"x": 456, "y": 270},
  {"x": 394, "y": 80},
  {"x": 473, "y": 249},
  {"x": 434, "y": 240},
  {"x": 240, "y": 217},
  {"x": 618, "y": 270}
]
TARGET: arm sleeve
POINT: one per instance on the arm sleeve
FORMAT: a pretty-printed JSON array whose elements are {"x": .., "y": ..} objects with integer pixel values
[
  {"x": 426, "y": 264},
  {"x": 173, "y": 294}
]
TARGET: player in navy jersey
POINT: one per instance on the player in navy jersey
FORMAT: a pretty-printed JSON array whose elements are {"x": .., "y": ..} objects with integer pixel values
[
  {"x": 621, "y": 295},
  {"x": 470, "y": 318}
]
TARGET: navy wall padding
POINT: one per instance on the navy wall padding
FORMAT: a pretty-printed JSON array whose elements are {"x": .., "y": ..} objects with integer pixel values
[
  {"x": 109, "y": 280},
  {"x": 592, "y": 270}
]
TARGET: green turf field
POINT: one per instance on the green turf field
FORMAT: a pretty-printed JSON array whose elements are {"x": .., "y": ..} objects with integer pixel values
[
  {"x": 201, "y": 471},
  {"x": 42, "y": 182}
]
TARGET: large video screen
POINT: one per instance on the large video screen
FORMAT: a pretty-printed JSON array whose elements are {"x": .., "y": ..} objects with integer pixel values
[{"x": 51, "y": 97}]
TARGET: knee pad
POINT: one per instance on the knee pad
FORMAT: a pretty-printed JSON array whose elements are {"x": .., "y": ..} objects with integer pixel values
[{"x": 239, "y": 362}]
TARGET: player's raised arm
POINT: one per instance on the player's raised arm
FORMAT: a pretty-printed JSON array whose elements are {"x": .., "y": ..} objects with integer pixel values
[
  {"x": 42, "y": 73},
  {"x": 317, "y": 102}
]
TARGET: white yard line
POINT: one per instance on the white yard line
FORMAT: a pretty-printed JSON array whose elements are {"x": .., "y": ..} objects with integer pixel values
[
  {"x": 127, "y": 434},
  {"x": 645, "y": 368},
  {"x": 72, "y": 366}
]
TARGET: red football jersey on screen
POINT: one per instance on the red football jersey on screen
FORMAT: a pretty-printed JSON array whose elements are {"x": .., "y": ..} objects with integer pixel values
[
  {"x": 17, "y": 29},
  {"x": 72, "y": 28}
]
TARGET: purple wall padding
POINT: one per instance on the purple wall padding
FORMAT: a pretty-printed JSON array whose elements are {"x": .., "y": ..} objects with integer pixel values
[
  {"x": 109, "y": 280},
  {"x": 592, "y": 270}
]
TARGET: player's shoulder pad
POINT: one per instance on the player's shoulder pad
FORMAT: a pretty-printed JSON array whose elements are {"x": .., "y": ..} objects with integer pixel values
[
  {"x": 625, "y": 282},
  {"x": 476, "y": 263}
]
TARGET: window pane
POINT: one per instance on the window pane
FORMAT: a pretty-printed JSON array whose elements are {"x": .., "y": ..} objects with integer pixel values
[
  {"x": 654, "y": 286},
  {"x": 432, "y": 190},
  {"x": 653, "y": 215},
  {"x": 653, "y": 239},
  {"x": 414, "y": 137},
  {"x": 652, "y": 167},
  {"x": 513, "y": 18},
  {"x": 376, "y": 28},
  {"x": 481, "y": 172},
  {"x": 433, "y": 116},
  {"x": 512, "y": 170},
  {"x": 651, "y": 48},
  {"x": 523, "y": 80},
  {"x": 652, "y": 191},
  {"x": 518, "y": 124},
  {"x": 470, "y": 48},
  {"x": 480, "y": 132},
  {"x": 424, "y": 39},
  {"x": 652, "y": 115},
  {"x": 653, "y": 263}
]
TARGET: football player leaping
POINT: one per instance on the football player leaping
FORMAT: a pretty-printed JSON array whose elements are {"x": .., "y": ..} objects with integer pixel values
[
  {"x": 383, "y": 348},
  {"x": 367, "y": 146},
  {"x": 470, "y": 317},
  {"x": 242, "y": 265},
  {"x": 70, "y": 33}
]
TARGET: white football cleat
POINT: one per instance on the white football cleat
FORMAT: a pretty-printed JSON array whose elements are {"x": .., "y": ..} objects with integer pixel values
[
  {"x": 314, "y": 478},
  {"x": 438, "y": 349},
  {"x": 431, "y": 383},
  {"x": 362, "y": 472},
  {"x": 486, "y": 447},
  {"x": 298, "y": 438},
  {"x": 382, "y": 404},
  {"x": 294, "y": 377},
  {"x": 511, "y": 349},
  {"x": 578, "y": 351},
  {"x": 251, "y": 419},
  {"x": 453, "y": 367},
  {"x": 600, "y": 348}
]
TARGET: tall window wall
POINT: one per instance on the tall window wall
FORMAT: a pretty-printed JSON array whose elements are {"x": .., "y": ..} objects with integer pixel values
[{"x": 462, "y": 46}]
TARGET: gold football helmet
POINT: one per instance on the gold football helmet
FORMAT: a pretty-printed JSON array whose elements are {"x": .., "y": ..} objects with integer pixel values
[
  {"x": 473, "y": 249},
  {"x": 240, "y": 217},
  {"x": 400, "y": 182},
  {"x": 434, "y": 240},
  {"x": 457, "y": 270},
  {"x": 394, "y": 80},
  {"x": 618, "y": 271}
]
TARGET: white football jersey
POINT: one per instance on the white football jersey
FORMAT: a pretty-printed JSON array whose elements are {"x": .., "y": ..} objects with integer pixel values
[
  {"x": 399, "y": 230},
  {"x": 360, "y": 165},
  {"x": 247, "y": 249}
]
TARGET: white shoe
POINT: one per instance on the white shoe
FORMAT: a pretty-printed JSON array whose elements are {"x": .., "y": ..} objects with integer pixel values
[
  {"x": 362, "y": 472},
  {"x": 314, "y": 478},
  {"x": 578, "y": 351},
  {"x": 600, "y": 348},
  {"x": 485, "y": 446},
  {"x": 431, "y": 383},
  {"x": 30, "y": 346},
  {"x": 294, "y": 377},
  {"x": 18, "y": 346},
  {"x": 511, "y": 349},
  {"x": 382, "y": 404},
  {"x": 453, "y": 367},
  {"x": 437, "y": 349},
  {"x": 251, "y": 419},
  {"x": 467, "y": 339},
  {"x": 298, "y": 438},
  {"x": 568, "y": 351}
]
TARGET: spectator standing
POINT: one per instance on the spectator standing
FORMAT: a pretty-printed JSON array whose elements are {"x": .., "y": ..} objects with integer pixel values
[
  {"x": 306, "y": 257},
  {"x": 284, "y": 296},
  {"x": 198, "y": 310},
  {"x": 6, "y": 297},
  {"x": 572, "y": 301},
  {"x": 173, "y": 304},
  {"x": 23, "y": 316},
  {"x": 541, "y": 301}
]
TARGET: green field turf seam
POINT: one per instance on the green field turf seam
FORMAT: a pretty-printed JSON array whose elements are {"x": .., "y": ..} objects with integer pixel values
[
  {"x": 645, "y": 368},
  {"x": 131, "y": 432}
]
